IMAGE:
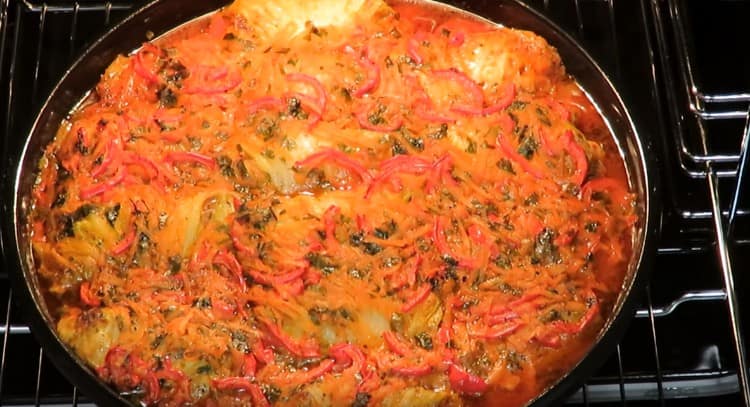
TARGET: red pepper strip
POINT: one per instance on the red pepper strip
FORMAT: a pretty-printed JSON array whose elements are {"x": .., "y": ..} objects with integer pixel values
[
  {"x": 575, "y": 151},
  {"x": 338, "y": 158},
  {"x": 152, "y": 170},
  {"x": 473, "y": 90},
  {"x": 372, "y": 69},
  {"x": 227, "y": 259},
  {"x": 291, "y": 289},
  {"x": 509, "y": 94},
  {"x": 139, "y": 65},
  {"x": 107, "y": 160},
  {"x": 502, "y": 140},
  {"x": 412, "y": 371},
  {"x": 276, "y": 336},
  {"x": 456, "y": 39},
  {"x": 311, "y": 276},
  {"x": 181, "y": 392},
  {"x": 153, "y": 390},
  {"x": 498, "y": 332},
  {"x": 441, "y": 170},
  {"x": 438, "y": 236},
  {"x": 87, "y": 297},
  {"x": 412, "y": 47},
  {"x": 419, "y": 296},
  {"x": 189, "y": 156},
  {"x": 123, "y": 245},
  {"x": 558, "y": 108},
  {"x": 615, "y": 189},
  {"x": 494, "y": 319},
  {"x": 411, "y": 274},
  {"x": 221, "y": 309},
  {"x": 329, "y": 222},
  {"x": 169, "y": 372},
  {"x": 320, "y": 91},
  {"x": 99, "y": 189},
  {"x": 506, "y": 123},
  {"x": 346, "y": 355},
  {"x": 217, "y": 27},
  {"x": 398, "y": 164},
  {"x": 235, "y": 233},
  {"x": 290, "y": 276},
  {"x": 396, "y": 345},
  {"x": 266, "y": 102},
  {"x": 273, "y": 281},
  {"x": 212, "y": 80},
  {"x": 464, "y": 382},
  {"x": 261, "y": 353},
  {"x": 312, "y": 374},
  {"x": 200, "y": 256},
  {"x": 364, "y": 122},
  {"x": 362, "y": 223},
  {"x": 249, "y": 366},
  {"x": 242, "y": 384}
]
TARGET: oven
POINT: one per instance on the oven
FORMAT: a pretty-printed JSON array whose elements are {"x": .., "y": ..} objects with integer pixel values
[{"x": 688, "y": 94}]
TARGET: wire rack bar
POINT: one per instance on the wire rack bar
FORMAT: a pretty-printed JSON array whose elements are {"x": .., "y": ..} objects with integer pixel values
[
  {"x": 742, "y": 176},
  {"x": 712, "y": 177},
  {"x": 68, "y": 7},
  {"x": 698, "y": 99},
  {"x": 696, "y": 105},
  {"x": 728, "y": 276}
]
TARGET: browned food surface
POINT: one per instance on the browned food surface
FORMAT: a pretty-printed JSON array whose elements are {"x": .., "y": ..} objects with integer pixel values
[{"x": 337, "y": 203}]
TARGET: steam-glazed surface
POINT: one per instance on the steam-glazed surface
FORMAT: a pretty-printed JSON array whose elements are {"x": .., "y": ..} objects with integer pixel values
[{"x": 333, "y": 203}]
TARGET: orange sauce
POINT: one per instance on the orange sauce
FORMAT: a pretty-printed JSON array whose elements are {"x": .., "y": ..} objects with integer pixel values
[{"x": 415, "y": 207}]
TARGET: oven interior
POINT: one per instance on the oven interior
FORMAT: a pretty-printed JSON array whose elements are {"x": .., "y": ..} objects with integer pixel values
[{"x": 686, "y": 93}]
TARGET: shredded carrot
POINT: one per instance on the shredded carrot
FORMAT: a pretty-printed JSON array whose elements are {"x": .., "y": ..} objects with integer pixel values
[{"x": 387, "y": 211}]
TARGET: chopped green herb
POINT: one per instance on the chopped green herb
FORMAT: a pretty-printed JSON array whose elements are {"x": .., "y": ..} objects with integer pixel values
[
  {"x": 321, "y": 262},
  {"x": 440, "y": 133},
  {"x": 225, "y": 164},
  {"x": 505, "y": 165},
  {"x": 112, "y": 214},
  {"x": 372, "y": 248},
  {"x": 361, "y": 400},
  {"x": 528, "y": 147},
  {"x": 271, "y": 392},
  {"x": 592, "y": 227},
  {"x": 543, "y": 118},
  {"x": 424, "y": 340},
  {"x": 268, "y": 128}
]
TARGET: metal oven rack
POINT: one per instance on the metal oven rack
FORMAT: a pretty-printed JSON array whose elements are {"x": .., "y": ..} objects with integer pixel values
[{"x": 685, "y": 346}]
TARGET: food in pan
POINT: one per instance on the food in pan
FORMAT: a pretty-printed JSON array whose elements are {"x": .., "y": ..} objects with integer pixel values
[{"x": 341, "y": 203}]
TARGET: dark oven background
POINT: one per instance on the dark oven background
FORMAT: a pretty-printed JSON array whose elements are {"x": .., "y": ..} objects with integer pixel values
[{"x": 688, "y": 92}]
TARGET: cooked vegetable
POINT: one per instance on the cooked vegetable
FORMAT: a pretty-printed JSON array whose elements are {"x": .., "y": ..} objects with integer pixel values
[{"x": 332, "y": 203}]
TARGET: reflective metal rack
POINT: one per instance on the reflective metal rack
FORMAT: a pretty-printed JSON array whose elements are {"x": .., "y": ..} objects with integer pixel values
[{"x": 685, "y": 346}]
